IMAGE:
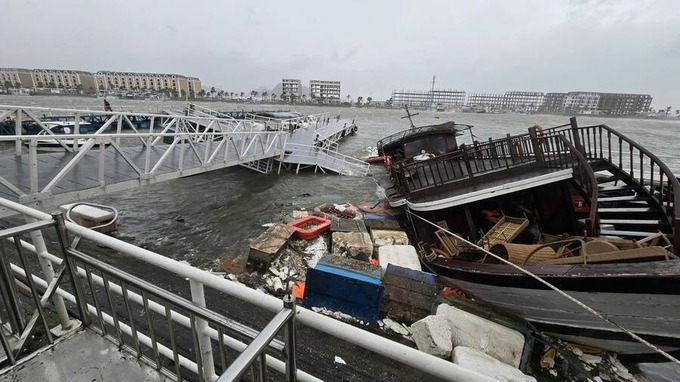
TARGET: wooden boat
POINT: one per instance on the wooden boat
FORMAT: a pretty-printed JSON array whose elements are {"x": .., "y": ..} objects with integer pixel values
[{"x": 566, "y": 181}]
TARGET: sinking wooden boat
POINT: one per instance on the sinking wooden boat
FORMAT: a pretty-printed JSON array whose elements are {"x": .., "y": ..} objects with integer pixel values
[
  {"x": 570, "y": 182},
  {"x": 638, "y": 288}
]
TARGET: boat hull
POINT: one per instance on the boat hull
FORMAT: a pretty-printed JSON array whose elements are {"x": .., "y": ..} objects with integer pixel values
[{"x": 644, "y": 301}]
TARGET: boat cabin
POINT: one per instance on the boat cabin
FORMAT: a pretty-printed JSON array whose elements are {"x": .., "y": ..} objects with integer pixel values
[{"x": 430, "y": 140}]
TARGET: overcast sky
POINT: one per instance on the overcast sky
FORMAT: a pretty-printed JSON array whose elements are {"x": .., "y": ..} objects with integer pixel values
[{"x": 373, "y": 47}]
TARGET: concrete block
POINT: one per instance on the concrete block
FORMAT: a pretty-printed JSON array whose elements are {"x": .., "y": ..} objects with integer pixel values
[
  {"x": 382, "y": 237},
  {"x": 348, "y": 225},
  {"x": 499, "y": 342},
  {"x": 404, "y": 256},
  {"x": 482, "y": 363},
  {"x": 409, "y": 294},
  {"x": 270, "y": 243},
  {"x": 355, "y": 244},
  {"x": 432, "y": 335}
]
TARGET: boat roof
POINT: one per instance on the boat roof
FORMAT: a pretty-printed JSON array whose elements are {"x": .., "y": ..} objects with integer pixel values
[{"x": 450, "y": 127}]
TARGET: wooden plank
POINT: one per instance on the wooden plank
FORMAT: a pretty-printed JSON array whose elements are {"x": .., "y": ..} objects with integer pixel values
[{"x": 645, "y": 253}]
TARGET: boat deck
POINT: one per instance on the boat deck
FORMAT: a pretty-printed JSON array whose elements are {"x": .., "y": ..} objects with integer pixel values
[{"x": 485, "y": 186}]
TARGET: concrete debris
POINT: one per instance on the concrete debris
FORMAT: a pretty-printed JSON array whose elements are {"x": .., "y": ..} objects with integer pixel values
[
  {"x": 432, "y": 335},
  {"x": 340, "y": 360},
  {"x": 395, "y": 327},
  {"x": 353, "y": 244},
  {"x": 482, "y": 363},
  {"x": 388, "y": 237},
  {"x": 504, "y": 344},
  {"x": 299, "y": 214}
]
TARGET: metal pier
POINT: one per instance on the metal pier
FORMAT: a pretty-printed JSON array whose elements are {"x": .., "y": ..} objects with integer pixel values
[{"x": 119, "y": 156}]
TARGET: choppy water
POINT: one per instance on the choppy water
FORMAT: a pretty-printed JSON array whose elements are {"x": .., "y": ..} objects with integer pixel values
[{"x": 203, "y": 218}]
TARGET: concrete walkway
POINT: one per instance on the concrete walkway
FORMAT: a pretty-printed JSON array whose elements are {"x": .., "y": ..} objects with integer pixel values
[{"x": 84, "y": 356}]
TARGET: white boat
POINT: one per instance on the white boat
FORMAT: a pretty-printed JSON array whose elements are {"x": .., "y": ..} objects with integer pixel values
[{"x": 59, "y": 140}]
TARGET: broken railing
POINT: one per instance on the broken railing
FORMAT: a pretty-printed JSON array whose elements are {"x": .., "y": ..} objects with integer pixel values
[{"x": 155, "y": 325}]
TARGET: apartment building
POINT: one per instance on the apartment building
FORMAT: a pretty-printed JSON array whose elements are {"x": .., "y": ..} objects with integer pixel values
[
  {"x": 291, "y": 87},
  {"x": 122, "y": 81},
  {"x": 328, "y": 91},
  {"x": 581, "y": 102},
  {"x": 510, "y": 100},
  {"x": 430, "y": 98},
  {"x": 15, "y": 78}
]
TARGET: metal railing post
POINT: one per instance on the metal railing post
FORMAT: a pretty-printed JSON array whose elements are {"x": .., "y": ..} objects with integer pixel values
[
  {"x": 208, "y": 366},
  {"x": 577, "y": 137},
  {"x": 289, "y": 337},
  {"x": 72, "y": 268},
  {"x": 48, "y": 271},
  {"x": 17, "y": 131}
]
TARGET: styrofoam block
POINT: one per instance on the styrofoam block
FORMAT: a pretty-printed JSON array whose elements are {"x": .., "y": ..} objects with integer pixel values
[
  {"x": 482, "y": 363},
  {"x": 432, "y": 335},
  {"x": 501, "y": 343},
  {"x": 404, "y": 256}
]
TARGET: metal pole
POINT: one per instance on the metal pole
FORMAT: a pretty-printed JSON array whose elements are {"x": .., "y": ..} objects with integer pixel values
[
  {"x": 73, "y": 270},
  {"x": 290, "y": 340},
  {"x": 17, "y": 131},
  {"x": 48, "y": 271},
  {"x": 198, "y": 297}
]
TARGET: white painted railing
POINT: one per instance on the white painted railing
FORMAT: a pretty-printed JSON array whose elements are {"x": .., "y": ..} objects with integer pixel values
[
  {"x": 198, "y": 281},
  {"x": 174, "y": 146}
]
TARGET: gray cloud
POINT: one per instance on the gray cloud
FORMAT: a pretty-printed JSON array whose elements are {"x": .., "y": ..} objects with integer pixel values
[{"x": 372, "y": 47}]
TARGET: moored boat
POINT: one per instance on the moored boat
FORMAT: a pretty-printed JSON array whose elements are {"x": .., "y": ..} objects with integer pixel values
[{"x": 586, "y": 184}]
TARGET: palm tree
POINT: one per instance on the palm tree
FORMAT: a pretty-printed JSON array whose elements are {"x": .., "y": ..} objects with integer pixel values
[
  {"x": 273, "y": 97},
  {"x": 369, "y": 100},
  {"x": 243, "y": 94},
  {"x": 349, "y": 98},
  {"x": 304, "y": 98},
  {"x": 360, "y": 100},
  {"x": 264, "y": 95}
]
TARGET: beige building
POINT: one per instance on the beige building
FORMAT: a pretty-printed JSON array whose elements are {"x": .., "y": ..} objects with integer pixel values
[
  {"x": 15, "y": 78},
  {"x": 179, "y": 84},
  {"x": 64, "y": 79}
]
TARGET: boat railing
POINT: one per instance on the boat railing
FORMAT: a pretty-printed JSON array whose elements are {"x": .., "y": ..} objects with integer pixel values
[
  {"x": 183, "y": 337},
  {"x": 602, "y": 143},
  {"x": 468, "y": 162},
  {"x": 556, "y": 151}
]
